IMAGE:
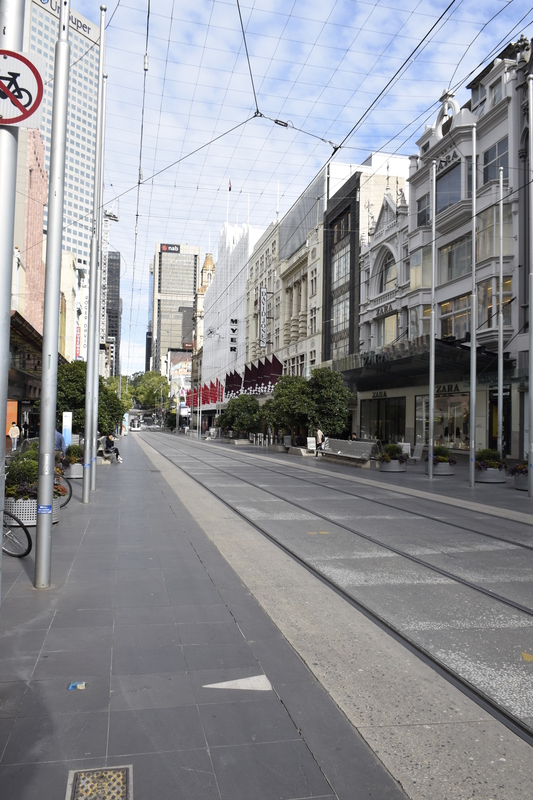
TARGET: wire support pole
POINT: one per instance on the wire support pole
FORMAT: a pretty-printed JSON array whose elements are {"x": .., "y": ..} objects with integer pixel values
[
  {"x": 89, "y": 465},
  {"x": 473, "y": 324},
  {"x": 11, "y": 38},
  {"x": 96, "y": 372},
  {"x": 52, "y": 281},
  {"x": 500, "y": 324},
  {"x": 530, "y": 299},
  {"x": 431, "y": 432}
]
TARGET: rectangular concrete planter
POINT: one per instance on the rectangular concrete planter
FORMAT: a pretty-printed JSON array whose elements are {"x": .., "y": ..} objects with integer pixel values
[
  {"x": 392, "y": 466},
  {"x": 491, "y": 475},
  {"x": 74, "y": 471},
  {"x": 521, "y": 483},
  {"x": 277, "y": 448}
]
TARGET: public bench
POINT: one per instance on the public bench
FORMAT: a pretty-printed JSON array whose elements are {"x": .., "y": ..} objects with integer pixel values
[
  {"x": 361, "y": 451},
  {"x": 107, "y": 456}
]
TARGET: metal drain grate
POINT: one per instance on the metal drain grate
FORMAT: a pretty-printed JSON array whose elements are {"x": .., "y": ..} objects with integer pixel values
[{"x": 100, "y": 784}]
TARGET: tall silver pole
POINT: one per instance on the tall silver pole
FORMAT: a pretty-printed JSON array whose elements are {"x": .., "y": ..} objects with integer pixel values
[
  {"x": 89, "y": 465},
  {"x": 11, "y": 37},
  {"x": 473, "y": 322},
  {"x": 96, "y": 372},
  {"x": 500, "y": 325},
  {"x": 56, "y": 187},
  {"x": 530, "y": 309},
  {"x": 432, "y": 320}
]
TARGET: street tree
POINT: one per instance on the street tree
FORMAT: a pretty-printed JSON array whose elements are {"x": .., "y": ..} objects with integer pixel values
[
  {"x": 242, "y": 414},
  {"x": 150, "y": 389},
  {"x": 292, "y": 405},
  {"x": 330, "y": 397},
  {"x": 121, "y": 388},
  {"x": 71, "y": 397}
]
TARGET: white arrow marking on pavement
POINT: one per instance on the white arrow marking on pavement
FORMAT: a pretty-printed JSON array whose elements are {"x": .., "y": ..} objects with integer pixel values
[{"x": 259, "y": 683}]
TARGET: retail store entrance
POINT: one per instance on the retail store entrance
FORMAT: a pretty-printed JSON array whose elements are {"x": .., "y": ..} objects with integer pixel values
[{"x": 383, "y": 418}]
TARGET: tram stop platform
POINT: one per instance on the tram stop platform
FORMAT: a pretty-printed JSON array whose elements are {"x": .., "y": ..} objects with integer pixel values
[{"x": 186, "y": 689}]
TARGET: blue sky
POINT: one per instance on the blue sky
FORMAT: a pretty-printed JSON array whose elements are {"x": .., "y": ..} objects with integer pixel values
[{"x": 317, "y": 65}]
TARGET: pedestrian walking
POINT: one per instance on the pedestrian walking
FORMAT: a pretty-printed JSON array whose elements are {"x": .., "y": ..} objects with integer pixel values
[
  {"x": 60, "y": 446},
  {"x": 14, "y": 433},
  {"x": 319, "y": 441}
]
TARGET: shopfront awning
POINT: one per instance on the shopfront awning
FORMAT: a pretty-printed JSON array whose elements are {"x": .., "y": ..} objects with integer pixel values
[{"x": 407, "y": 364}]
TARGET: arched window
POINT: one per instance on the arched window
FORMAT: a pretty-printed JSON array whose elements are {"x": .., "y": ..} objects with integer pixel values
[{"x": 388, "y": 277}]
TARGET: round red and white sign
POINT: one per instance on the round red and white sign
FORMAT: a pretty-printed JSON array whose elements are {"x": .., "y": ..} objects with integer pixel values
[{"x": 21, "y": 87}]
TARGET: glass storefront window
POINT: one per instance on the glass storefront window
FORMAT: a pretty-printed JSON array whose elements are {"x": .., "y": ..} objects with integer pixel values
[
  {"x": 455, "y": 259},
  {"x": 340, "y": 266},
  {"x": 383, "y": 419},
  {"x": 451, "y": 423},
  {"x": 341, "y": 313},
  {"x": 455, "y": 317},
  {"x": 449, "y": 188},
  {"x": 419, "y": 321},
  {"x": 488, "y": 232}
]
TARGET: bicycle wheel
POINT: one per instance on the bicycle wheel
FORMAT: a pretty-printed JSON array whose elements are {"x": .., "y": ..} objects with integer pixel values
[
  {"x": 16, "y": 540},
  {"x": 65, "y": 498}
]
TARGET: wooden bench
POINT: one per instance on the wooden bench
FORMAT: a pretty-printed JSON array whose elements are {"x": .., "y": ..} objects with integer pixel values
[{"x": 361, "y": 451}]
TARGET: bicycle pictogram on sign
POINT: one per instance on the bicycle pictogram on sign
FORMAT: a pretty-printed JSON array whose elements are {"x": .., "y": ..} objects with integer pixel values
[{"x": 21, "y": 87}]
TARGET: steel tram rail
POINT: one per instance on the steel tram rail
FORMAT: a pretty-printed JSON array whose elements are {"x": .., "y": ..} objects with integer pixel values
[{"x": 499, "y": 712}]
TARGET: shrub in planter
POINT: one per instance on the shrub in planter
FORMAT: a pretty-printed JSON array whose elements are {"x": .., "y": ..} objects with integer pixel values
[
  {"x": 74, "y": 454},
  {"x": 392, "y": 452},
  {"x": 490, "y": 459},
  {"x": 442, "y": 455},
  {"x": 519, "y": 469},
  {"x": 22, "y": 477}
]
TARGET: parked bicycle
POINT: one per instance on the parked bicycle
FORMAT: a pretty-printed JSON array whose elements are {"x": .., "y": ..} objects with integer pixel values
[
  {"x": 16, "y": 539},
  {"x": 11, "y": 84}
]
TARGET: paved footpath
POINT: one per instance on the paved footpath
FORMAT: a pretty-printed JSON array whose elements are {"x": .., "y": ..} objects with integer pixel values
[{"x": 191, "y": 691}]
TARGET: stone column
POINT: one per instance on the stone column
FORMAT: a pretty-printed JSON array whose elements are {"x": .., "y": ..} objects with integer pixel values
[
  {"x": 303, "y": 309},
  {"x": 286, "y": 315}
]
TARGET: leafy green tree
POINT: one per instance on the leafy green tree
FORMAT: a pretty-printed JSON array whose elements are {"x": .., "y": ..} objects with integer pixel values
[
  {"x": 292, "y": 405},
  {"x": 170, "y": 420},
  {"x": 150, "y": 388},
  {"x": 121, "y": 389},
  {"x": 242, "y": 413},
  {"x": 331, "y": 398},
  {"x": 71, "y": 397}
]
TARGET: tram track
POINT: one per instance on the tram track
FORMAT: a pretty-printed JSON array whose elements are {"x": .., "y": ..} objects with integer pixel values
[{"x": 497, "y": 710}]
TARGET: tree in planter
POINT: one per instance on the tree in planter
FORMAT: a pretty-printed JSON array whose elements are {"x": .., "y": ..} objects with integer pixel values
[
  {"x": 170, "y": 420},
  {"x": 331, "y": 398},
  {"x": 242, "y": 413},
  {"x": 74, "y": 454},
  {"x": 292, "y": 405}
]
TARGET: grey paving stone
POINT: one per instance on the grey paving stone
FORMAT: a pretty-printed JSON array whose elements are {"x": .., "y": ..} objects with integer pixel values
[
  {"x": 154, "y": 730},
  {"x": 202, "y": 679},
  {"x": 182, "y": 775},
  {"x": 17, "y": 668},
  {"x": 151, "y": 691},
  {"x": 157, "y": 615},
  {"x": 210, "y": 633},
  {"x": 135, "y": 595},
  {"x": 76, "y": 665},
  {"x": 20, "y": 642},
  {"x": 262, "y": 719},
  {"x": 39, "y": 781},
  {"x": 89, "y": 638},
  {"x": 133, "y": 660},
  {"x": 85, "y": 618},
  {"x": 65, "y": 737},
  {"x": 153, "y": 635},
  {"x": 11, "y": 695},
  {"x": 53, "y": 697},
  {"x": 219, "y": 656},
  {"x": 270, "y": 771},
  {"x": 184, "y": 614}
]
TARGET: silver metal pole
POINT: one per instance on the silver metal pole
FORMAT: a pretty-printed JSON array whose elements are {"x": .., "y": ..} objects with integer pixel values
[
  {"x": 432, "y": 320},
  {"x": 96, "y": 372},
  {"x": 11, "y": 38},
  {"x": 89, "y": 466},
  {"x": 473, "y": 322},
  {"x": 500, "y": 325},
  {"x": 56, "y": 187},
  {"x": 530, "y": 309}
]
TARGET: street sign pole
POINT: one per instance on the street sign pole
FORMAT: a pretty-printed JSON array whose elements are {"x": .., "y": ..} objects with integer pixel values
[
  {"x": 56, "y": 187},
  {"x": 11, "y": 35},
  {"x": 90, "y": 443}
]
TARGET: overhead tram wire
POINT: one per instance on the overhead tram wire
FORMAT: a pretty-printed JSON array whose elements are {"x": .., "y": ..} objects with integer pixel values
[
  {"x": 248, "y": 58},
  {"x": 139, "y": 179}
]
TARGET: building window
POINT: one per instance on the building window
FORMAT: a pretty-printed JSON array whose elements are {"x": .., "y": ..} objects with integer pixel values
[
  {"x": 455, "y": 259},
  {"x": 496, "y": 93},
  {"x": 419, "y": 321},
  {"x": 341, "y": 313},
  {"x": 387, "y": 330},
  {"x": 449, "y": 188},
  {"x": 276, "y": 339},
  {"x": 422, "y": 211},
  {"x": 388, "y": 277},
  {"x": 312, "y": 321},
  {"x": 420, "y": 268},
  {"x": 340, "y": 266},
  {"x": 488, "y": 232},
  {"x": 340, "y": 348},
  {"x": 313, "y": 282},
  {"x": 273, "y": 248},
  {"x": 455, "y": 317},
  {"x": 312, "y": 358},
  {"x": 495, "y": 157},
  {"x": 479, "y": 96},
  {"x": 488, "y": 303}
]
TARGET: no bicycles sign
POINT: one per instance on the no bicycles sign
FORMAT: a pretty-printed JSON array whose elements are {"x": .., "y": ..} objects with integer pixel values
[{"x": 21, "y": 88}]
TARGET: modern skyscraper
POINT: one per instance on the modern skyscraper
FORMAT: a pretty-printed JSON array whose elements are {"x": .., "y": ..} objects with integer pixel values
[
  {"x": 41, "y": 21},
  {"x": 114, "y": 310},
  {"x": 175, "y": 275}
]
